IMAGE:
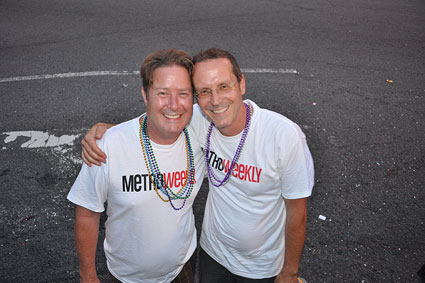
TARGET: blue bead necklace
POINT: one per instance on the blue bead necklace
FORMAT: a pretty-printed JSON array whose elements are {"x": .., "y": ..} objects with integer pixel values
[{"x": 157, "y": 178}]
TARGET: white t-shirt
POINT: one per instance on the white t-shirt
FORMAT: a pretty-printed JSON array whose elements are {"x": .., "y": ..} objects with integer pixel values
[
  {"x": 146, "y": 240},
  {"x": 244, "y": 221}
]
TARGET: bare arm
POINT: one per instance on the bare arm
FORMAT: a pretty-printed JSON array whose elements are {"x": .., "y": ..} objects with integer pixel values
[
  {"x": 296, "y": 218},
  {"x": 86, "y": 233},
  {"x": 91, "y": 153}
]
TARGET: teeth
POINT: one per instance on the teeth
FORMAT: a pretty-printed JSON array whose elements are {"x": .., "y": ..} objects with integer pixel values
[
  {"x": 172, "y": 116},
  {"x": 220, "y": 110}
]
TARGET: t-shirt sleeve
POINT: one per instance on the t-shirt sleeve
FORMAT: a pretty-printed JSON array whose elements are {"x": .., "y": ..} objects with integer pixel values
[
  {"x": 297, "y": 170},
  {"x": 91, "y": 187}
]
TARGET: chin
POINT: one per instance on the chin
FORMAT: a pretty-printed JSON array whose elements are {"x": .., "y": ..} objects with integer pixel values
[
  {"x": 221, "y": 125},
  {"x": 177, "y": 130}
]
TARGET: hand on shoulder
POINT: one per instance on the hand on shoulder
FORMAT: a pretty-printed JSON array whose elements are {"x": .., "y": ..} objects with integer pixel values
[{"x": 91, "y": 153}]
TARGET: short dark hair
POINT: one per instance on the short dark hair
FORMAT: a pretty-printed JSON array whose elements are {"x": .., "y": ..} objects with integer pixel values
[
  {"x": 164, "y": 58},
  {"x": 216, "y": 53}
]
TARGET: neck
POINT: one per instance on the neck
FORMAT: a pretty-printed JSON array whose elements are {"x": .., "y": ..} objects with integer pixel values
[{"x": 158, "y": 137}]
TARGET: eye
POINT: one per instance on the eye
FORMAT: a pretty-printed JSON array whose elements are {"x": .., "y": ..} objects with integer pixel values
[
  {"x": 162, "y": 93},
  {"x": 205, "y": 91},
  {"x": 184, "y": 94},
  {"x": 223, "y": 87}
]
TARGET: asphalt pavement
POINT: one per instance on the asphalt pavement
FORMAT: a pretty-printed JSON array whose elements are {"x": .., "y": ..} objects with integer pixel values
[{"x": 358, "y": 93}]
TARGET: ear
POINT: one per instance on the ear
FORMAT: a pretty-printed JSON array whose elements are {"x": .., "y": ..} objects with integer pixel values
[
  {"x": 242, "y": 85},
  {"x": 145, "y": 99}
]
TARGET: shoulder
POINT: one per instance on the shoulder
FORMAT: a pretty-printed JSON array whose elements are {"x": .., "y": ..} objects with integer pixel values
[
  {"x": 123, "y": 127},
  {"x": 273, "y": 124},
  {"x": 119, "y": 133}
]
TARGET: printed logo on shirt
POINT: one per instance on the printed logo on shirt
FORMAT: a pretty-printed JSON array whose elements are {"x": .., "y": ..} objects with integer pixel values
[
  {"x": 242, "y": 171},
  {"x": 142, "y": 182}
]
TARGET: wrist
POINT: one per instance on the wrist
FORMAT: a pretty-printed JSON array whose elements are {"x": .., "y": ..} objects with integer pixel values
[
  {"x": 289, "y": 273},
  {"x": 290, "y": 269},
  {"x": 283, "y": 277},
  {"x": 88, "y": 275}
]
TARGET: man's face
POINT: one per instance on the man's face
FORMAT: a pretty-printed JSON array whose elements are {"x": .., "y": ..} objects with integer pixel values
[
  {"x": 225, "y": 110},
  {"x": 169, "y": 103}
]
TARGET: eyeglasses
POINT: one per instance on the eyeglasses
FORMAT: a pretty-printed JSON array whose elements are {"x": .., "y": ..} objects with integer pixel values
[{"x": 220, "y": 89}]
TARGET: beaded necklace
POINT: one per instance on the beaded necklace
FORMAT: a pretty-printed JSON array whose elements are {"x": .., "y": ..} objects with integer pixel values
[
  {"x": 155, "y": 175},
  {"x": 213, "y": 179}
]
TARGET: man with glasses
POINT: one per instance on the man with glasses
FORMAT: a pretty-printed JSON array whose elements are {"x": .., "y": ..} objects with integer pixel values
[{"x": 260, "y": 173}]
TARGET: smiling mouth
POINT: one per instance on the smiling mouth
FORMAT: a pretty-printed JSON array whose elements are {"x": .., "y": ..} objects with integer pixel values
[
  {"x": 169, "y": 116},
  {"x": 220, "y": 110}
]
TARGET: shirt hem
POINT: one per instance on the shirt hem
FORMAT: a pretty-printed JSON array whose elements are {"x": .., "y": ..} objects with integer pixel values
[{"x": 240, "y": 273}]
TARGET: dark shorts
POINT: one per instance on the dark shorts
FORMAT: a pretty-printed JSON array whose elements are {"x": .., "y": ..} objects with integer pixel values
[{"x": 211, "y": 271}]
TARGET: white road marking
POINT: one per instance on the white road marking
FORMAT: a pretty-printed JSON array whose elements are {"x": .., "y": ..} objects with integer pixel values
[
  {"x": 122, "y": 73},
  {"x": 69, "y": 75},
  {"x": 279, "y": 71},
  {"x": 62, "y": 146},
  {"x": 40, "y": 139}
]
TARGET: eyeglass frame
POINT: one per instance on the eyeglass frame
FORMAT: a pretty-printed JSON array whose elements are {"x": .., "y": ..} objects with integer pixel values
[{"x": 210, "y": 90}]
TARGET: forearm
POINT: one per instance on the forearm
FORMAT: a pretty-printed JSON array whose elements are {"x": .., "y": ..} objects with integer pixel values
[
  {"x": 294, "y": 243},
  {"x": 295, "y": 230},
  {"x": 86, "y": 234}
]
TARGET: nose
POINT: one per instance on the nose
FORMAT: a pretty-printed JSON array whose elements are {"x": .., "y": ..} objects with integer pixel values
[
  {"x": 173, "y": 102},
  {"x": 215, "y": 98}
]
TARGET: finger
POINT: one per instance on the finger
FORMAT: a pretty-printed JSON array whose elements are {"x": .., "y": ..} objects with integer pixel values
[
  {"x": 89, "y": 141},
  {"x": 90, "y": 156},
  {"x": 90, "y": 159},
  {"x": 84, "y": 159},
  {"x": 93, "y": 149},
  {"x": 100, "y": 130},
  {"x": 87, "y": 158}
]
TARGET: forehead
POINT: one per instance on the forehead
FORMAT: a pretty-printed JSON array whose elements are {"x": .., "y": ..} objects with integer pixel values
[
  {"x": 171, "y": 77},
  {"x": 213, "y": 71}
]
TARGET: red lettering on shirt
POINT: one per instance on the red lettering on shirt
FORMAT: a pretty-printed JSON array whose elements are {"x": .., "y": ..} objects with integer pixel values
[
  {"x": 243, "y": 171},
  {"x": 226, "y": 164},
  {"x": 247, "y": 172},
  {"x": 169, "y": 180},
  {"x": 258, "y": 171},
  {"x": 184, "y": 178},
  {"x": 177, "y": 179},
  {"x": 235, "y": 170}
]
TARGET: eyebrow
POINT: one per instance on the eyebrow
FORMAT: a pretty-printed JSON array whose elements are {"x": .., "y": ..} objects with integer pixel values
[
  {"x": 166, "y": 88},
  {"x": 227, "y": 82}
]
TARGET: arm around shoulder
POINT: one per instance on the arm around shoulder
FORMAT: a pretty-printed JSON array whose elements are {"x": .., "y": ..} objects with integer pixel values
[{"x": 91, "y": 153}]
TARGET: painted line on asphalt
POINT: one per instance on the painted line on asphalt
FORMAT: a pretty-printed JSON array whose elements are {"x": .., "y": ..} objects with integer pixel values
[
  {"x": 122, "y": 73},
  {"x": 69, "y": 75},
  {"x": 279, "y": 71},
  {"x": 39, "y": 139},
  {"x": 62, "y": 145}
]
